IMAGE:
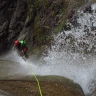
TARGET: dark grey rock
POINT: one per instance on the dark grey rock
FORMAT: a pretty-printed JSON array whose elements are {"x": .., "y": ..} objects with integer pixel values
[{"x": 12, "y": 19}]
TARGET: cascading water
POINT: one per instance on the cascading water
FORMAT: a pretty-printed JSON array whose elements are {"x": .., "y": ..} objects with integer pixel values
[{"x": 72, "y": 54}]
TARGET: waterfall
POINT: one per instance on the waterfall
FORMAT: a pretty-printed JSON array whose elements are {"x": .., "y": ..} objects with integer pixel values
[{"x": 72, "y": 53}]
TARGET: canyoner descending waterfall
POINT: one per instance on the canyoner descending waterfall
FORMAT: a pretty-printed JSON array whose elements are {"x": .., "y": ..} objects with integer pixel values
[
  {"x": 73, "y": 51},
  {"x": 63, "y": 63},
  {"x": 72, "y": 54}
]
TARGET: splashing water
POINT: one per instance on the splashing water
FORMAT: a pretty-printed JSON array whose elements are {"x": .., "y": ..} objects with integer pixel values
[
  {"x": 73, "y": 66},
  {"x": 75, "y": 63}
]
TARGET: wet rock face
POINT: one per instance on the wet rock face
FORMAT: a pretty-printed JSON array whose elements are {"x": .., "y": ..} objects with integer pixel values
[
  {"x": 25, "y": 19},
  {"x": 12, "y": 18},
  {"x": 94, "y": 94},
  {"x": 30, "y": 88}
]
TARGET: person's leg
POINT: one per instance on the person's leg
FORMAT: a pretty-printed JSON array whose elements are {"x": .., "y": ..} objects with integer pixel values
[{"x": 25, "y": 53}]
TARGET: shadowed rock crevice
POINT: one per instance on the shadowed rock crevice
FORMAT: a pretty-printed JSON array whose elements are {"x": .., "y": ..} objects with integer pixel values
[{"x": 12, "y": 18}]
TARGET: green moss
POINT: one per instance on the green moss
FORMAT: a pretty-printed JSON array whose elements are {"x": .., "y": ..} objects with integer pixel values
[
  {"x": 45, "y": 3},
  {"x": 94, "y": 1},
  {"x": 64, "y": 12},
  {"x": 47, "y": 17},
  {"x": 60, "y": 26},
  {"x": 36, "y": 22},
  {"x": 29, "y": 7},
  {"x": 36, "y": 50},
  {"x": 80, "y": 3},
  {"x": 39, "y": 34},
  {"x": 36, "y": 3},
  {"x": 58, "y": 29},
  {"x": 32, "y": 6}
]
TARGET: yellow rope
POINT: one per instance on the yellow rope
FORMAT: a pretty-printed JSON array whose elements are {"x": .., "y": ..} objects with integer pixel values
[{"x": 37, "y": 83}]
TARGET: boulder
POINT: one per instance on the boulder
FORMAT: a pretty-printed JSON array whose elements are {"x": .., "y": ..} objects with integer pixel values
[{"x": 14, "y": 80}]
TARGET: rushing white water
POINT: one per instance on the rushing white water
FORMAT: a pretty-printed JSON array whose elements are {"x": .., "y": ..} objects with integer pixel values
[
  {"x": 59, "y": 61},
  {"x": 76, "y": 66},
  {"x": 73, "y": 66}
]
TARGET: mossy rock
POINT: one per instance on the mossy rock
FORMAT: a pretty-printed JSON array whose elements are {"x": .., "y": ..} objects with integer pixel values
[{"x": 94, "y": 1}]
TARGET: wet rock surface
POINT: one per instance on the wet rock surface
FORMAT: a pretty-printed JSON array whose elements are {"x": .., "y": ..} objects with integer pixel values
[
  {"x": 16, "y": 82},
  {"x": 49, "y": 88},
  {"x": 94, "y": 94},
  {"x": 21, "y": 19}
]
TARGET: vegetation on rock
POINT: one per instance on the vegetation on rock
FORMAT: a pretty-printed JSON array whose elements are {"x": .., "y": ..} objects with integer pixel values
[
  {"x": 33, "y": 21},
  {"x": 49, "y": 16}
]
